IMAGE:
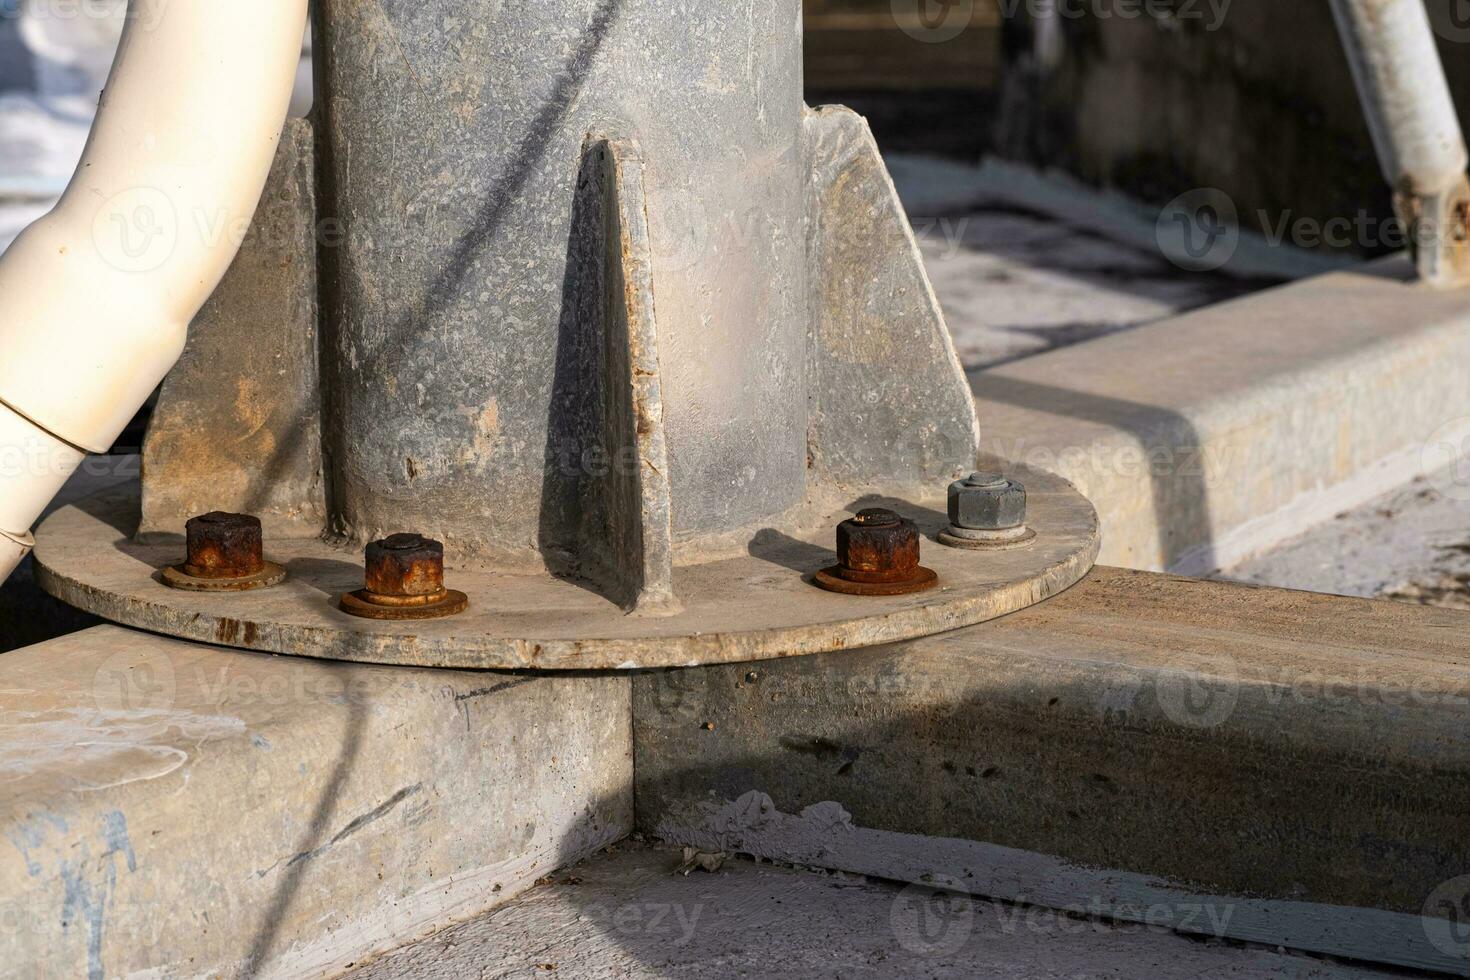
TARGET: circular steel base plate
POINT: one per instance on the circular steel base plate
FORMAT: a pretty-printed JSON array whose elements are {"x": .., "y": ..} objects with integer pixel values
[{"x": 757, "y": 606}]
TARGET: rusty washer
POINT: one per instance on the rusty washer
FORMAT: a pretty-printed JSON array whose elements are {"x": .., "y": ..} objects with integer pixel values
[
  {"x": 405, "y": 580},
  {"x": 224, "y": 554},
  {"x": 877, "y": 554}
]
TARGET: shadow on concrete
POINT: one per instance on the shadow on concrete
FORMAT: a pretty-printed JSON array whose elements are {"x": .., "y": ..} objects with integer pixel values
[
  {"x": 573, "y": 522},
  {"x": 315, "y": 839},
  {"x": 1179, "y": 487}
]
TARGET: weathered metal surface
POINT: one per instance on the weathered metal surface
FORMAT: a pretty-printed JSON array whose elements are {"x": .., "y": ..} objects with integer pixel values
[
  {"x": 237, "y": 425},
  {"x": 461, "y": 298},
  {"x": 404, "y": 581},
  {"x": 757, "y": 605},
  {"x": 405, "y": 565},
  {"x": 1305, "y": 750},
  {"x": 292, "y": 816},
  {"x": 986, "y": 502},
  {"x": 986, "y": 511},
  {"x": 222, "y": 545},
  {"x": 877, "y": 554},
  {"x": 365, "y": 604},
  {"x": 269, "y": 574},
  {"x": 890, "y": 403},
  {"x": 1393, "y": 53},
  {"x": 493, "y": 369},
  {"x": 621, "y": 542},
  {"x": 224, "y": 554}
]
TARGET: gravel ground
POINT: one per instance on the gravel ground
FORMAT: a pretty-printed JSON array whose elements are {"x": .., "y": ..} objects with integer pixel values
[
  {"x": 1412, "y": 545},
  {"x": 1014, "y": 283},
  {"x": 628, "y": 914}
]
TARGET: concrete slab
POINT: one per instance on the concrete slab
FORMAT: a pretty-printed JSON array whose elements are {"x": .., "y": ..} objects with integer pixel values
[
  {"x": 1207, "y": 438},
  {"x": 171, "y": 809},
  {"x": 1142, "y": 738},
  {"x": 628, "y": 914}
]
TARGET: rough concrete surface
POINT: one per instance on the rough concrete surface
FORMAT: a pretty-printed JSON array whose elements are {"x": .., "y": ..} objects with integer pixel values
[
  {"x": 170, "y": 809},
  {"x": 1206, "y": 734},
  {"x": 1211, "y": 436},
  {"x": 631, "y": 913}
]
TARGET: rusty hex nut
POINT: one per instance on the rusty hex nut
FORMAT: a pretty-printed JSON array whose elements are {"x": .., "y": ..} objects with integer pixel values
[
  {"x": 877, "y": 545},
  {"x": 987, "y": 502},
  {"x": 222, "y": 545},
  {"x": 404, "y": 566}
]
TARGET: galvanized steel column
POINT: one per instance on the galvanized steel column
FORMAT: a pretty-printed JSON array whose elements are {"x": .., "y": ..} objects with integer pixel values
[{"x": 458, "y": 315}]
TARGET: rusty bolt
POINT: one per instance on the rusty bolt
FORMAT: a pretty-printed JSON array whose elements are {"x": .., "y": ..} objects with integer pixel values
[
  {"x": 987, "y": 502},
  {"x": 405, "y": 580},
  {"x": 877, "y": 546},
  {"x": 405, "y": 566},
  {"x": 877, "y": 554},
  {"x": 222, "y": 545}
]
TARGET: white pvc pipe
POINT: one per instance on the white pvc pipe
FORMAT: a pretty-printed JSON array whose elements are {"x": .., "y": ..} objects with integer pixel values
[
  {"x": 1391, "y": 48},
  {"x": 96, "y": 296}
]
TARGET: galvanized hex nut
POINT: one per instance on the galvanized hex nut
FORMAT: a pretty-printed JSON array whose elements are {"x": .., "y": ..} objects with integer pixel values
[
  {"x": 987, "y": 502},
  {"x": 405, "y": 565},
  {"x": 222, "y": 545}
]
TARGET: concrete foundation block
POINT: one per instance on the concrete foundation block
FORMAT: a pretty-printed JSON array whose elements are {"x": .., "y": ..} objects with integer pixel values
[
  {"x": 1206, "y": 438},
  {"x": 1135, "y": 741},
  {"x": 172, "y": 809}
]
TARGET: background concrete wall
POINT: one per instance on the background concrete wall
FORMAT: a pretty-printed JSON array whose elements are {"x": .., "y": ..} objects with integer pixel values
[{"x": 1253, "y": 97}]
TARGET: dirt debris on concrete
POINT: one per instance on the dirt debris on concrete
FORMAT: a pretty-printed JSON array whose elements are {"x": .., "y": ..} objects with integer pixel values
[
  {"x": 1409, "y": 545},
  {"x": 630, "y": 918}
]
